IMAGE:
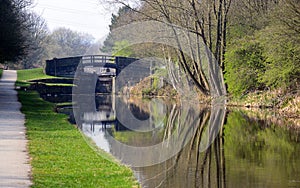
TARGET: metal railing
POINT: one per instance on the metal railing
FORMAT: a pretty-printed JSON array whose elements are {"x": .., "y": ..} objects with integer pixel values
[{"x": 97, "y": 59}]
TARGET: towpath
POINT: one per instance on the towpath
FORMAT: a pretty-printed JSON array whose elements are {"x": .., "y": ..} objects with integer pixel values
[{"x": 14, "y": 160}]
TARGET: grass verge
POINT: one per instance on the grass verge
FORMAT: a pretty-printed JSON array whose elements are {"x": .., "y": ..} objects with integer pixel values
[
  {"x": 30, "y": 74},
  {"x": 60, "y": 156},
  {"x": 1, "y": 71}
]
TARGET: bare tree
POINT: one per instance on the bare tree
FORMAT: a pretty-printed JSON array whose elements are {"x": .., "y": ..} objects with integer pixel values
[
  {"x": 205, "y": 21},
  {"x": 65, "y": 42},
  {"x": 37, "y": 33}
]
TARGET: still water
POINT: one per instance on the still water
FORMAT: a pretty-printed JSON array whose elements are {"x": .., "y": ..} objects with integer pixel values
[{"x": 170, "y": 144}]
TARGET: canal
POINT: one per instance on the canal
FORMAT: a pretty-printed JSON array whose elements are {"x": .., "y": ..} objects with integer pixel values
[{"x": 176, "y": 144}]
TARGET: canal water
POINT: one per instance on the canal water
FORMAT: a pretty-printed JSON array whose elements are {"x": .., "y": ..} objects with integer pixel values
[{"x": 173, "y": 144}]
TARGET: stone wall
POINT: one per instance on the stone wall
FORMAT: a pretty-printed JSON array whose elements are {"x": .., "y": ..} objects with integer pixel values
[
  {"x": 123, "y": 62},
  {"x": 64, "y": 67}
]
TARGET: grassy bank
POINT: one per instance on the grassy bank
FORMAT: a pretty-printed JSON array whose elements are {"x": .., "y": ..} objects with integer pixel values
[
  {"x": 30, "y": 74},
  {"x": 1, "y": 71},
  {"x": 286, "y": 104},
  {"x": 60, "y": 156}
]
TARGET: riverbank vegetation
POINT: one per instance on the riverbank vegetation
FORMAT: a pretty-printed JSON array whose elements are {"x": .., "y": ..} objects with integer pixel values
[
  {"x": 256, "y": 44},
  {"x": 60, "y": 156},
  {"x": 262, "y": 62},
  {"x": 153, "y": 86},
  {"x": 284, "y": 103}
]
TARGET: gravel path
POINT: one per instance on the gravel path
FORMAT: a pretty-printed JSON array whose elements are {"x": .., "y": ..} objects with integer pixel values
[{"x": 14, "y": 160}]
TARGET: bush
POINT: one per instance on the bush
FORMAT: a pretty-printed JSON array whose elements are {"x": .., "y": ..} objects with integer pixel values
[
  {"x": 283, "y": 57},
  {"x": 244, "y": 64}
]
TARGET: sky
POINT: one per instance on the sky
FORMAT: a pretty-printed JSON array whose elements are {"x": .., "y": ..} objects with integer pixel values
[{"x": 88, "y": 16}]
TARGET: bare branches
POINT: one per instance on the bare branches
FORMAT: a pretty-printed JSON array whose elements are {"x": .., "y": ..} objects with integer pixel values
[{"x": 203, "y": 19}]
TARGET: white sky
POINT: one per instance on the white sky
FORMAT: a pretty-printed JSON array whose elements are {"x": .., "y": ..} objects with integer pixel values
[{"x": 89, "y": 16}]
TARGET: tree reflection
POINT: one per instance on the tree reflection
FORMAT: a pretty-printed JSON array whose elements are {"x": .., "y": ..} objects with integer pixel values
[
  {"x": 190, "y": 144},
  {"x": 186, "y": 140},
  {"x": 201, "y": 163}
]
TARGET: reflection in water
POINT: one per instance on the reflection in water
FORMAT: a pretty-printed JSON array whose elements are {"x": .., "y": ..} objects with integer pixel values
[
  {"x": 190, "y": 167},
  {"x": 259, "y": 154},
  {"x": 198, "y": 164},
  {"x": 240, "y": 153}
]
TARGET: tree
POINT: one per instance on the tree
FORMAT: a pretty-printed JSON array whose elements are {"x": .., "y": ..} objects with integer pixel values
[
  {"x": 38, "y": 34},
  {"x": 256, "y": 39},
  {"x": 124, "y": 16},
  {"x": 280, "y": 41},
  {"x": 13, "y": 28},
  {"x": 23, "y": 34},
  {"x": 206, "y": 19},
  {"x": 290, "y": 15},
  {"x": 122, "y": 48},
  {"x": 251, "y": 15},
  {"x": 65, "y": 42},
  {"x": 269, "y": 32}
]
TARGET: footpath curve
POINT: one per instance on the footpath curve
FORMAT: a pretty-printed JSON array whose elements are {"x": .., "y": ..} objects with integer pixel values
[{"x": 14, "y": 160}]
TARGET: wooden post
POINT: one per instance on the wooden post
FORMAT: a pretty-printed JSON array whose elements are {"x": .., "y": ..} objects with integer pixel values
[{"x": 54, "y": 66}]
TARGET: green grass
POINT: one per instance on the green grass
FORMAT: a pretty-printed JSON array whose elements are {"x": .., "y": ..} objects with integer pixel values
[
  {"x": 30, "y": 74},
  {"x": 64, "y": 104},
  {"x": 59, "y": 84},
  {"x": 60, "y": 155},
  {"x": 1, "y": 71}
]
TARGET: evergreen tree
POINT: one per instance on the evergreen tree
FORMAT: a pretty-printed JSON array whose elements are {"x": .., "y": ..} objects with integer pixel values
[{"x": 13, "y": 27}]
